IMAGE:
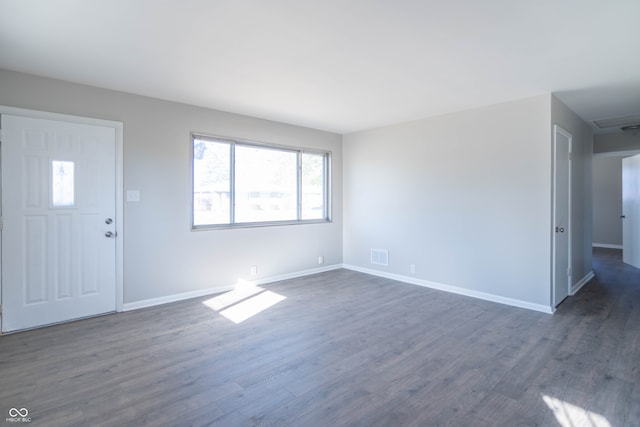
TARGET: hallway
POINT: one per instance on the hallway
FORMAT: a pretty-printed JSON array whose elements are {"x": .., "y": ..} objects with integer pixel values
[{"x": 616, "y": 285}]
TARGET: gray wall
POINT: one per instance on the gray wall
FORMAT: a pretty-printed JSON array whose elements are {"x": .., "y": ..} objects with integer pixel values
[
  {"x": 616, "y": 142},
  {"x": 162, "y": 256},
  {"x": 581, "y": 190},
  {"x": 466, "y": 197},
  {"x": 607, "y": 200}
]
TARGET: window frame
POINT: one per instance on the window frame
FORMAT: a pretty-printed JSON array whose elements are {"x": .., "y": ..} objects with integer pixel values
[{"x": 327, "y": 216}]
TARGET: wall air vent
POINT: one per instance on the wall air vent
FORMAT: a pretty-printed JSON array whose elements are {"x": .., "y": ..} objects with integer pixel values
[{"x": 379, "y": 256}]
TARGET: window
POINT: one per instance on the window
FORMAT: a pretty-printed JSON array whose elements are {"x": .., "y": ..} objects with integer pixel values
[{"x": 238, "y": 183}]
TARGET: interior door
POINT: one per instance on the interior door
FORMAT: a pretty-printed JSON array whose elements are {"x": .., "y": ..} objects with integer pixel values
[
  {"x": 631, "y": 210},
  {"x": 561, "y": 214},
  {"x": 58, "y": 208}
]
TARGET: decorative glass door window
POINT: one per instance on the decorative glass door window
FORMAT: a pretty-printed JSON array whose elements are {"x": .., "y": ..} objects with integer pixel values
[{"x": 62, "y": 183}]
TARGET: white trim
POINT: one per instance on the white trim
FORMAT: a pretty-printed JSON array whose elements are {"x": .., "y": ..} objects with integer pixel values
[
  {"x": 119, "y": 127},
  {"x": 209, "y": 291},
  {"x": 57, "y": 116},
  {"x": 296, "y": 274},
  {"x": 606, "y": 246},
  {"x": 454, "y": 289},
  {"x": 174, "y": 298},
  {"x": 576, "y": 287},
  {"x": 119, "y": 205}
]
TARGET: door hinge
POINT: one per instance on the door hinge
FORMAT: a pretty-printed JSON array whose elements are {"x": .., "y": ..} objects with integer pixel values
[
  {"x": 0, "y": 309},
  {"x": 570, "y": 155},
  {"x": 568, "y": 271}
]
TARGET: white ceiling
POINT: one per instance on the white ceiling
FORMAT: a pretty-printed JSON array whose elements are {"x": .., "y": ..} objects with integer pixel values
[{"x": 337, "y": 65}]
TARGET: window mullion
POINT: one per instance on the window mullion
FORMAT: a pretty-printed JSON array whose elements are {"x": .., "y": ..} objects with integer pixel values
[
  {"x": 232, "y": 183},
  {"x": 325, "y": 186},
  {"x": 299, "y": 184}
]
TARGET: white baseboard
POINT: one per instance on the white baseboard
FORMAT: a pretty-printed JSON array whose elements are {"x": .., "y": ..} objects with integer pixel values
[
  {"x": 128, "y": 306},
  {"x": 209, "y": 291},
  {"x": 455, "y": 290},
  {"x": 576, "y": 287},
  {"x": 606, "y": 245},
  {"x": 412, "y": 280},
  {"x": 302, "y": 273}
]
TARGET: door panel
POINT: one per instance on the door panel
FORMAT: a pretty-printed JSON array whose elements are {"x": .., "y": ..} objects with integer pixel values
[
  {"x": 59, "y": 185},
  {"x": 561, "y": 201}
]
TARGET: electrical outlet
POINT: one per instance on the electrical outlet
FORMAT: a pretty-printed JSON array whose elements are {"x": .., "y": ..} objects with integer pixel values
[
  {"x": 320, "y": 260},
  {"x": 412, "y": 268},
  {"x": 254, "y": 270}
]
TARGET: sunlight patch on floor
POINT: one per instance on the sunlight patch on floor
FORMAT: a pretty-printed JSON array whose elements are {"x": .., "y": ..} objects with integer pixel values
[
  {"x": 569, "y": 415},
  {"x": 241, "y": 291},
  {"x": 244, "y": 302}
]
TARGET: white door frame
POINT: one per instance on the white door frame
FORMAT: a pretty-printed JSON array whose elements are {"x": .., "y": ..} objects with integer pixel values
[
  {"x": 630, "y": 210},
  {"x": 118, "y": 127},
  {"x": 559, "y": 130},
  {"x": 619, "y": 221}
]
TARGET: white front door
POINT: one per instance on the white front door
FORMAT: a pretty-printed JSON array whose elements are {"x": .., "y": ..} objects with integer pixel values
[
  {"x": 561, "y": 213},
  {"x": 631, "y": 210},
  {"x": 58, "y": 210}
]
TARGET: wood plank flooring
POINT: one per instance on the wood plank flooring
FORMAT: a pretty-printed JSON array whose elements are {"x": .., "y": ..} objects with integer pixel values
[{"x": 343, "y": 349}]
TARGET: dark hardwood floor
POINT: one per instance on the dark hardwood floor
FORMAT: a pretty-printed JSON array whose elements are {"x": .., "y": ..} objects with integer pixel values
[{"x": 343, "y": 348}]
